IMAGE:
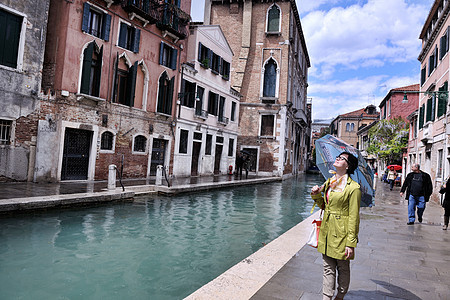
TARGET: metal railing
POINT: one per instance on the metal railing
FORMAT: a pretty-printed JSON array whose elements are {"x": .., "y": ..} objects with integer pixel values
[
  {"x": 222, "y": 120},
  {"x": 147, "y": 9},
  {"x": 200, "y": 113},
  {"x": 174, "y": 20}
]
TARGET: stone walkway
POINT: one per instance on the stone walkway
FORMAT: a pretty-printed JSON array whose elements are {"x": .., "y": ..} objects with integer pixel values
[{"x": 393, "y": 260}]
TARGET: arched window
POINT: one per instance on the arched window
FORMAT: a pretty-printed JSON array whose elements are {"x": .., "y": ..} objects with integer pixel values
[
  {"x": 165, "y": 93},
  {"x": 125, "y": 81},
  {"x": 107, "y": 141},
  {"x": 273, "y": 19},
  {"x": 270, "y": 78},
  {"x": 140, "y": 143},
  {"x": 91, "y": 70}
]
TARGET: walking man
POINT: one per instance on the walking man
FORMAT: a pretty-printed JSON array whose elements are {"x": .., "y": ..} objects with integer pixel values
[{"x": 418, "y": 188}]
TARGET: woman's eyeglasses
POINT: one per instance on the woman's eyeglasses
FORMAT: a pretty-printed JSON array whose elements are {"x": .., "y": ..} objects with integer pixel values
[{"x": 341, "y": 158}]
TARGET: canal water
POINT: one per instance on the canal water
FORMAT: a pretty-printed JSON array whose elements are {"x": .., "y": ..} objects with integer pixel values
[{"x": 153, "y": 248}]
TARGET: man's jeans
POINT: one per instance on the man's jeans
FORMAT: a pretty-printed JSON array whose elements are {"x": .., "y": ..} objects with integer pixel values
[{"x": 414, "y": 201}]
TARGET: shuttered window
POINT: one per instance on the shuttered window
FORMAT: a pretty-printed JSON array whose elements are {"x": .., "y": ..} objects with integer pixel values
[
  {"x": 442, "y": 100},
  {"x": 421, "y": 116},
  {"x": 423, "y": 75},
  {"x": 168, "y": 56},
  {"x": 126, "y": 85},
  {"x": 204, "y": 55},
  {"x": 165, "y": 94},
  {"x": 10, "y": 28},
  {"x": 430, "y": 109},
  {"x": 188, "y": 93},
  {"x": 129, "y": 37},
  {"x": 91, "y": 70},
  {"x": 95, "y": 22},
  {"x": 213, "y": 100},
  {"x": 444, "y": 44}
]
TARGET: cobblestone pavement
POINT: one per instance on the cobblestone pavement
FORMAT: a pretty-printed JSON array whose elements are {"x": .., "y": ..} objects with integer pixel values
[{"x": 393, "y": 260}]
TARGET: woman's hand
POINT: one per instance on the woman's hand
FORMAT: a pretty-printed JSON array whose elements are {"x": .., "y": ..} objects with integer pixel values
[
  {"x": 349, "y": 252},
  {"x": 315, "y": 190}
]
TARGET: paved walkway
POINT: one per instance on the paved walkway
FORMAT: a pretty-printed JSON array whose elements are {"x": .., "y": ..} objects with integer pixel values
[
  {"x": 393, "y": 260},
  {"x": 19, "y": 196}
]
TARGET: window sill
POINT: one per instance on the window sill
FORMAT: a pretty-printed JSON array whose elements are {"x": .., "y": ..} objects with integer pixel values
[
  {"x": 89, "y": 97},
  {"x": 268, "y": 99},
  {"x": 269, "y": 137},
  {"x": 278, "y": 33},
  {"x": 138, "y": 153},
  {"x": 17, "y": 70},
  {"x": 163, "y": 114},
  {"x": 102, "y": 151}
]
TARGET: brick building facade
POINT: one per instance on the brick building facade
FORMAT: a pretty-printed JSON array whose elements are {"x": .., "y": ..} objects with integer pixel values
[
  {"x": 393, "y": 104},
  {"x": 111, "y": 76},
  {"x": 270, "y": 69},
  {"x": 346, "y": 126}
]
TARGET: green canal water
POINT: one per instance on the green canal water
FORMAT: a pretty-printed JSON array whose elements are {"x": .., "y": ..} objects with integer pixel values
[{"x": 153, "y": 248}]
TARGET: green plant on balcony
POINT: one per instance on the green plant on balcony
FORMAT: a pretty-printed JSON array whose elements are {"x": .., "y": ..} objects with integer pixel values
[{"x": 205, "y": 62}]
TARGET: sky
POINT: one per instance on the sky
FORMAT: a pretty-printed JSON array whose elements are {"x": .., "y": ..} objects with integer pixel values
[{"x": 359, "y": 50}]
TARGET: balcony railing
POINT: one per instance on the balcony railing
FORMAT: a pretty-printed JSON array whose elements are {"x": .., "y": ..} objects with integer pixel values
[
  {"x": 202, "y": 114},
  {"x": 174, "y": 20},
  {"x": 222, "y": 120},
  {"x": 148, "y": 10}
]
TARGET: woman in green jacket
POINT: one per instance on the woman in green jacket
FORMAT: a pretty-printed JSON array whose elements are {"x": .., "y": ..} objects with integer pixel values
[{"x": 340, "y": 225}]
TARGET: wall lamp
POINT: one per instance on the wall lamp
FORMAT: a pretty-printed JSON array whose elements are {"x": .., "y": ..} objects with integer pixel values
[{"x": 439, "y": 94}]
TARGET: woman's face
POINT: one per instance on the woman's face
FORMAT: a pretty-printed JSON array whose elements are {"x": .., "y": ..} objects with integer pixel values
[{"x": 341, "y": 161}]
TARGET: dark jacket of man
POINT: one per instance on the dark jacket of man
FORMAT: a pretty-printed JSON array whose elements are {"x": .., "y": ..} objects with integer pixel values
[{"x": 427, "y": 186}]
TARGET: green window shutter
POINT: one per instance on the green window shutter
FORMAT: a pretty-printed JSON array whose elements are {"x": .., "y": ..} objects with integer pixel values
[
  {"x": 421, "y": 116},
  {"x": 161, "y": 92},
  {"x": 170, "y": 96},
  {"x": 200, "y": 52},
  {"x": 86, "y": 70},
  {"x": 131, "y": 84},
  {"x": 106, "y": 27},
  {"x": 96, "y": 88},
  {"x": 116, "y": 69},
  {"x": 428, "y": 115},
  {"x": 161, "y": 53},
  {"x": 137, "y": 38},
  {"x": 433, "y": 107},
  {"x": 174, "y": 57},
  {"x": 123, "y": 35},
  {"x": 85, "y": 22}
]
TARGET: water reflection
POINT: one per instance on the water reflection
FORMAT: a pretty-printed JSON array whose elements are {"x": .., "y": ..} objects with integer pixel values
[{"x": 136, "y": 250}]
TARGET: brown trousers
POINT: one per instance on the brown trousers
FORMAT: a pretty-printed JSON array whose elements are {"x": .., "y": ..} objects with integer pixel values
[{"x": 330, "y": 265}]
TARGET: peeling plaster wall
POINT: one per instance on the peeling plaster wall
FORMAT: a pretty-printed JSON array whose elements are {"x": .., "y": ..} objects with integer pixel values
[{"x": 19, "y": 87}]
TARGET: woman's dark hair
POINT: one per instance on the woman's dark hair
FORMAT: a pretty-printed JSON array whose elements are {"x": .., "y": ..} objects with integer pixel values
[{"x": 352, "y": 162}]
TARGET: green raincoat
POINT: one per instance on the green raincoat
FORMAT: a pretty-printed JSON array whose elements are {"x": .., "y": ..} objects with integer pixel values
[{"x": 340, "y": 223}]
